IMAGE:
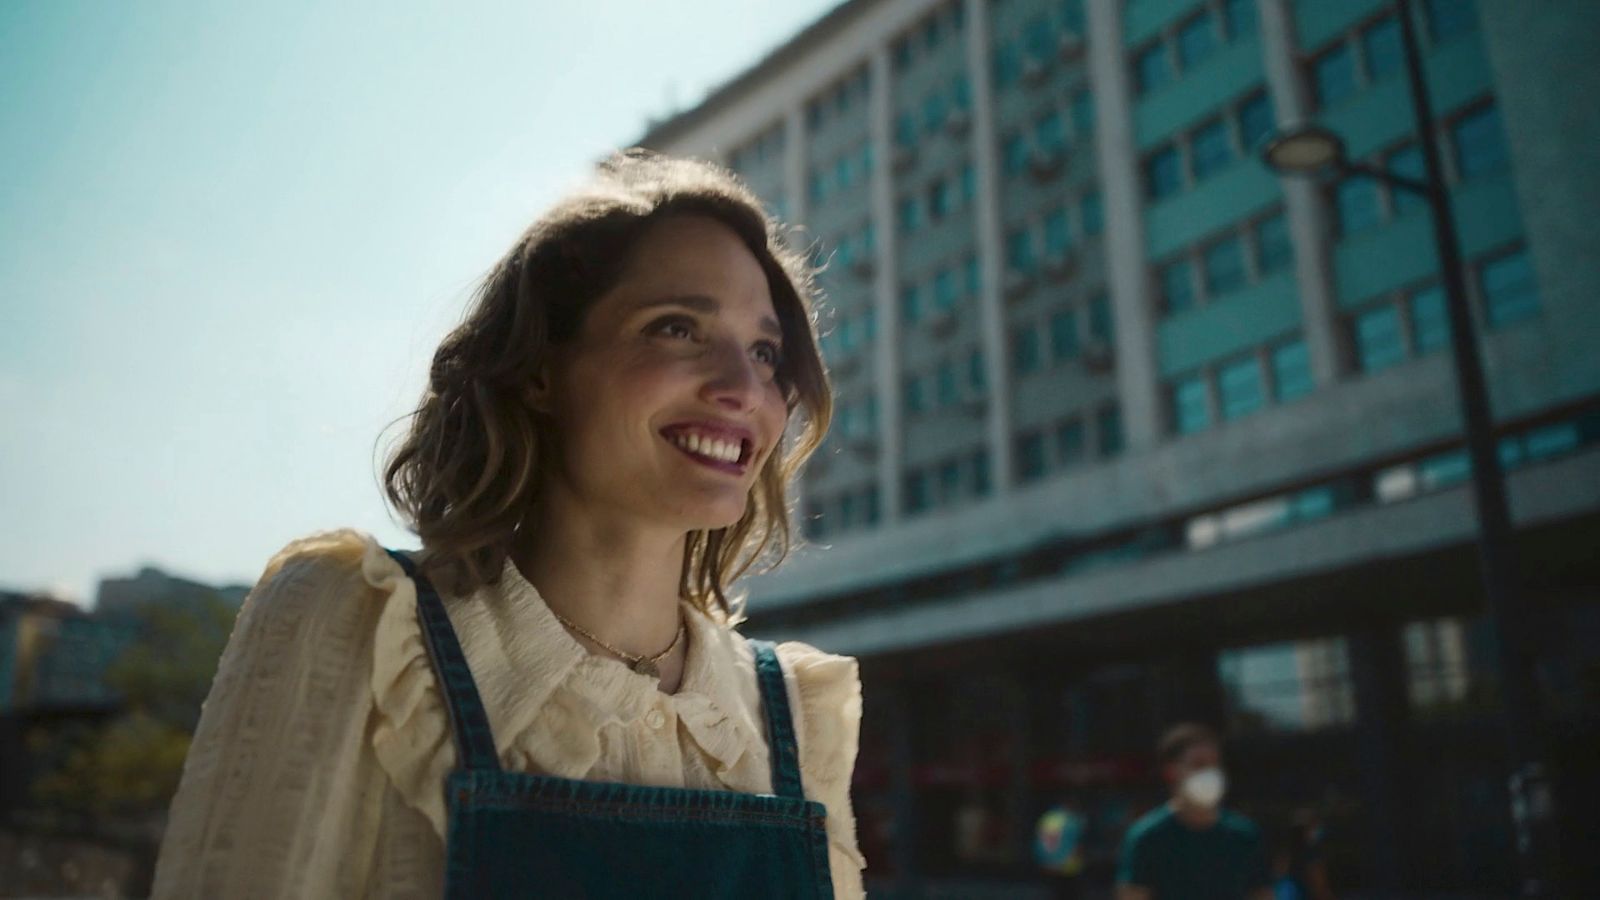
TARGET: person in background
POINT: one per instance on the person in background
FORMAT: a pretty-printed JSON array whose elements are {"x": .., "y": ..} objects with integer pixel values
[
  {"x": 1058, "y": 848},
  {"x": 1298, "y": 871},
  {"x": 1190, "y": 848}
]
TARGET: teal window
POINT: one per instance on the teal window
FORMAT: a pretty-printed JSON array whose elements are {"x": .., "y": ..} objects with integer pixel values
[
  {"x": 961, "y": 92},
  {"x": 944, "y": 289},
  {"x": 1177, "y": 287},
  {"x": 1333, "y": 74},
  {"x": 847, "y": 510},
  {"x": 1407, "y": 161},
  {"x": 1381, "y": 44},
  {"x": 1038, "y": 38},
  {"x": 1024, "y": 350},
  {"x": 870, "y": 324},
  {"x": 1108, "y": 426},
  {"x": 1379, "y": 341},
  {"x": 1015, "y": 152},
  {"x": 1049, "y": 132},
  {"x": 1082, "y": 113},
  {"x": 916, "y": 492},
  {"x": 1430, "y": 325},
  {"x": 842, "y": 172},
  {"x": 1163, "y": 173},
  {"x": 969, "y": 184},
  {"x": 1274, "y": 250},
  {"x": 976, "y": 376},
  {"x": 1480, "y": 145},
  {"x": 1071, "y": 15},
  {"x": 945, "y": 379},
  {"x": 1007, "y": 64},
  {"x": 980, "y": 473},
  {"x": 1093, "y": 215},
  {"x": 949, "y": 480},
  {"x": 911, "y": 304},
  {"x": 1224, "y": 263},
  {"x": 905, "y": 130},
  {"x": 915, "y": 401},
  {"x": 1210, "y": 148},
  {"x": 1196, "y": 39},
  {"x": 1070, "y": 444},
  {"x": 910, "y": 215},
  {"x": 1291, "y": 371},
  {"x": 1055, "y": 231},
  {"x": 1357, "y": 203},
  {"x": 939, "y": 198},
  {"x": 1239, "y": 388},
  {"x": 972, "y": 276},
  {"x": 1019, "y": 251},
  {"x": 1509, "y": 292},
  {"x": 1190, "y": 412},
  {"x": 1030, "y": 456},
  {"x": 1151, "y": 68},
  {"x": 1256, "y": 121},
  {"x": 874, "y": 509},
  {"x": 818, "y": 186},
  {"x": 1064, "y": 334},
  {"x": 1100, "y": 317},
  {"x": 1448, "y": 18},
  {"x": 1240, "y": 17},
  {"x": 933, "y": 112}
]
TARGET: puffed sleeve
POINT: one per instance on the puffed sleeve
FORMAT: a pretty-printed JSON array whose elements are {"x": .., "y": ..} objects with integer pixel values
[
  {"x": 825, "y": 697},
  {"x": 280, "y": 794}
]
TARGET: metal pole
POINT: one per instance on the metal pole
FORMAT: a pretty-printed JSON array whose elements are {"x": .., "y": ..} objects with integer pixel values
[{"x": 1532, "y": 806}]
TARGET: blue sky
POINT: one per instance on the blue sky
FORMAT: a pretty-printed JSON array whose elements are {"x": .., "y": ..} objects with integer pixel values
[{"x": 231, "y": 235}]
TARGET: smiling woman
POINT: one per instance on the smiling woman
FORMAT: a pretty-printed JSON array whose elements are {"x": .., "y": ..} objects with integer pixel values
[{"x": 551, "y": 696}]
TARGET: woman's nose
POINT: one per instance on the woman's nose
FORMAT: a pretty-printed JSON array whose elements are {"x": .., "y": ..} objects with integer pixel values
[{"x": 735, "y": 381}]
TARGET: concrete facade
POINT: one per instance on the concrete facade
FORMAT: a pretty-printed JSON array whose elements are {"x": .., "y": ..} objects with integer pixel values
[{"x": 1102, "y": 377}]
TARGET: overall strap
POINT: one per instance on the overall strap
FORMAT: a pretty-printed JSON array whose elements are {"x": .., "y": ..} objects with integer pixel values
[
  {"x": 468, "y": 722},
  {"x": 780, "y": 726}
]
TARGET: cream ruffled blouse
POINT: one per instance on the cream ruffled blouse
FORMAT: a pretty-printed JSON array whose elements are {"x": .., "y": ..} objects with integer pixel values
[{"x": 318, "y": 766}]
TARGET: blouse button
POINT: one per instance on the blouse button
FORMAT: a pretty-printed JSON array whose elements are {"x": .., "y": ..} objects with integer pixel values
[{"x": 654, "y": 718}]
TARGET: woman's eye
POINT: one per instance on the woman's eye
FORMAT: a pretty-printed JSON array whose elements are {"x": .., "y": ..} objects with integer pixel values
[
  {"x": 768, "y": 353},
  {"x": 675, "y": 326}
]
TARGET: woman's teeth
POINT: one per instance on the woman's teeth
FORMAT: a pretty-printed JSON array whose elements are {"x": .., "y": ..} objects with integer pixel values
[{"x": 726, "y": 451}]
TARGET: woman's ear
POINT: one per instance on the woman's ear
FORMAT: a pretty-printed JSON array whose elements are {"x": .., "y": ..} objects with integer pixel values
[{"x": 538, "y": 394}]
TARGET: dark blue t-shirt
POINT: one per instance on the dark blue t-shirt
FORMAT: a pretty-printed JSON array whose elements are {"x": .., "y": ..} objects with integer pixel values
[{"x": 1224, "y": 862}]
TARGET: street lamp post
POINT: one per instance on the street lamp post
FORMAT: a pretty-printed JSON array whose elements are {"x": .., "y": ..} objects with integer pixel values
[{"x": 1309, "y": 149}]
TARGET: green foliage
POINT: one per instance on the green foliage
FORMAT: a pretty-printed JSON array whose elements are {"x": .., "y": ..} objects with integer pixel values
[{"x": 130, "y": 765}]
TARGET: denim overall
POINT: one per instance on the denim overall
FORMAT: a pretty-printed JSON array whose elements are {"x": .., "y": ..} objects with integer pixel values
[{"x": 516, "y": 834}]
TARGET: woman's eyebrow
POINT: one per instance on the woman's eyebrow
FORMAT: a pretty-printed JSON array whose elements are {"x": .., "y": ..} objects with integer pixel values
[{"x": 704, "y": 304}]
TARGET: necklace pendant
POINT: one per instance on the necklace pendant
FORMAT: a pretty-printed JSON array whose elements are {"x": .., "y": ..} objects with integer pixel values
[{"x": 646, "y": 667}]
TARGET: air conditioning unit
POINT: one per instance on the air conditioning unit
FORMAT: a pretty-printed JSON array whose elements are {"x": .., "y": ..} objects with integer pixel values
[
  {"x": 864, "y": 446},
  {"x": 1018, "y": 284},
  {"x": 1070, "y": 46},
  {"x": 942, "y": 322},
  {"x": 1044, "y": 162},
  {"x": 957, "y": 122},
  {"x": 864, "y": 265},
  {"x": 903, "y": 158},
  {"x": 975, "y": 406},
  {"x": 1034, "y": 71},
  {"x": 1097, "y": 356},
  {"x": 1060, "y": 266}
]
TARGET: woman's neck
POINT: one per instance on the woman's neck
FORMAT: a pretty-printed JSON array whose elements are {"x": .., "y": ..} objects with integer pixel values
[{"x": 616, "y": 580}]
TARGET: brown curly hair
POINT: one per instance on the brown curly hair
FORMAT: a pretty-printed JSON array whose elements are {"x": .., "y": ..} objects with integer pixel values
[{"x": 469, "y": 468}]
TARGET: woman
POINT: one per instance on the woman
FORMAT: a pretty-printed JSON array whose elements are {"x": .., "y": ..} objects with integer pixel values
[{"x": 599, "y": 456}]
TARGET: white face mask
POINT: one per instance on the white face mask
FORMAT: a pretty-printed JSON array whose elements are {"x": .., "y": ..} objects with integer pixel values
[{"x": 1205, "y": 787}]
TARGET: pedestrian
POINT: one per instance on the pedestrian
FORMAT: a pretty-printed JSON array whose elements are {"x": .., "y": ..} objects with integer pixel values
[
  {"x": 1190, "y": 848},
  {"x": 1298, "y": 869},
  {"x": 551, "y": 697},
  {"x": 1058, "y": 848}
]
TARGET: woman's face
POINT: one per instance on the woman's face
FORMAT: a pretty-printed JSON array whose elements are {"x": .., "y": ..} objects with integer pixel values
[{"x": 667, "y": 403}]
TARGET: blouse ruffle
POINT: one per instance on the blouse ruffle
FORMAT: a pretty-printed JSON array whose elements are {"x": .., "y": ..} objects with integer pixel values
[{"x": 550, "y": 717}]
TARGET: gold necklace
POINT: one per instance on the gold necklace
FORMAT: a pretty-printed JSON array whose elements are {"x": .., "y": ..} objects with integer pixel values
[{"x": 644, "y": 665}]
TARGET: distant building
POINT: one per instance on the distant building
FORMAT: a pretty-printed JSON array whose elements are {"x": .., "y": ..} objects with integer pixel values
[
  {"x": 118, "y": 595},
  {"x": 1128, "y": 429}
]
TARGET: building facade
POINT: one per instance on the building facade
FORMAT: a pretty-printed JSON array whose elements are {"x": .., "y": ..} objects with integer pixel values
[{"x": 1130, "y": 430}]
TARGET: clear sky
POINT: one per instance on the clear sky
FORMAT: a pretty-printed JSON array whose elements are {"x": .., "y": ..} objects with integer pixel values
[{"x": 231, "y": 235}]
